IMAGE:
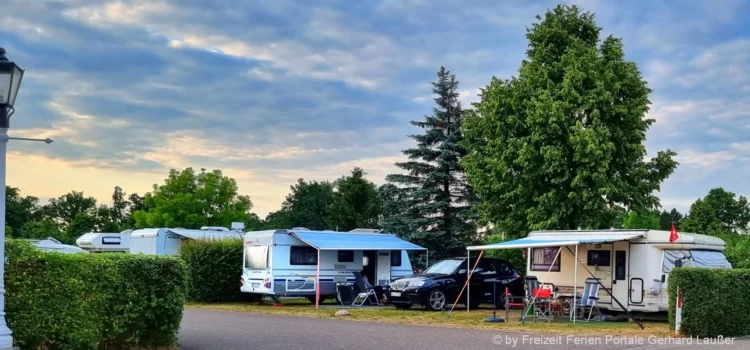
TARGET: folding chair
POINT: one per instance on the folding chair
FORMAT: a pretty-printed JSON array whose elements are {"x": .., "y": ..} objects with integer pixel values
[
  {"x": 542, "y": 304},
  {"x": 589, "y": 299},
  {"x": 366, "y": 293}
]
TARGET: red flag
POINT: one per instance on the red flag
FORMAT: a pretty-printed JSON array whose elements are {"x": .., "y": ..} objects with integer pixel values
[{"x": 673, "y": 236}]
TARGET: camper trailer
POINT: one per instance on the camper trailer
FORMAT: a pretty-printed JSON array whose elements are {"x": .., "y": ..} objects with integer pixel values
[
  {"x": 286, "y": 262},
  {"x": 105, "y": 241},
  {"x": 633, "y": 264},
  {"x": 167, "y": 241}
]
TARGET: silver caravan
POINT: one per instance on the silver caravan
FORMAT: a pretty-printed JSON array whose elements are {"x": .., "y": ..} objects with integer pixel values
[
  {"x": 167, "y": 241},
  {"x": 633, "y": 264},
  {"x": 287, "y": 262},
  {"x": 105, "y": 241}
]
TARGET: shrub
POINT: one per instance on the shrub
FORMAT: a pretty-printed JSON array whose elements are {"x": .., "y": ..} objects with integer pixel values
[
  {"x": 90, "y": 301},
  {"x": 713, "y": 301},
  {"x": 214, "y": 269}
]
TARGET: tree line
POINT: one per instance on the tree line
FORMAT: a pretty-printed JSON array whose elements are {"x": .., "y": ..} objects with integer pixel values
[{"x": 560, "y": 145}]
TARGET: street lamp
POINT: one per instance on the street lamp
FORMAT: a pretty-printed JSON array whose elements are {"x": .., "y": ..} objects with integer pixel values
[{"x": 10, "y": 81}]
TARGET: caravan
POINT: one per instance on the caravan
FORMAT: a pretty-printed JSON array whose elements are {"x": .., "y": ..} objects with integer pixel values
[
  {"x": 290, "y": 262},
  {"x": 633, "y": 264},
  {"x": 105, "y": 241},
  {"x": 167, "y": 241}
]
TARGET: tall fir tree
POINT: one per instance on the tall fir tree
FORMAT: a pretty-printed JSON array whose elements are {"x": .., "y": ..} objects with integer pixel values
[{"x": 435, "y": 202}]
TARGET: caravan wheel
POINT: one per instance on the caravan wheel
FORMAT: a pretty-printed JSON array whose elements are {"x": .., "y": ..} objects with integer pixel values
[
  {"x": 312, "y": 299},
  {"x": 566, "y": 302}
]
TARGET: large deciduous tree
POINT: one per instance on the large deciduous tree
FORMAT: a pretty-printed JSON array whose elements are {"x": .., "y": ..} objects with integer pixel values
[
  {"x": 19, "y": 209},
  {"x": 648, "y": 220},
  {"x": 66, "y": 208},
  {"x": 437, "y": 211},
  {"x": 191, "y": 200},
  {"x": 561, "y": 146},
  {"x": 307, "y": 205},
  {"x": 718, "y": 212},
  {"x": 355, "y": 203}
]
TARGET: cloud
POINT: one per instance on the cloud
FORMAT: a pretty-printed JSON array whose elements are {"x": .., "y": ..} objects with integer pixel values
[{"x": 270, "y": 91}]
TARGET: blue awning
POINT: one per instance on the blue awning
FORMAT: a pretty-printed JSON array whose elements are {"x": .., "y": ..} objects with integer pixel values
[
  {"x": 325, "y": 240},
  {"x": 559, "y": 240}
]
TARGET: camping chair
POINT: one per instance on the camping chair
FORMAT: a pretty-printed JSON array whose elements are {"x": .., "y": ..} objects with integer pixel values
[
  {"x": 542, "y": 304},
  {"x": 530, "y": 283},
  {"x": 589, "y": 299},
  {"x": 365, "y": 294}
]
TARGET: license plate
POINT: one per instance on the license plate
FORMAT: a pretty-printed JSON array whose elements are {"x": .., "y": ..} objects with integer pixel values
[
  {"x": 395, "y": 294},
  {"x": 256, "y": 285}
]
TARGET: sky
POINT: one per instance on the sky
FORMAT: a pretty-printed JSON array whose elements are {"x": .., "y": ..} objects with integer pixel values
[{"x": 273, "y": 91}]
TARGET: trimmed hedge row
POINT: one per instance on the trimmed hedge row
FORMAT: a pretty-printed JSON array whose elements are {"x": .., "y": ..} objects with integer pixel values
[
  {"x": 214, "y": 269},
  {"x": 92, "y": 301},
  {"x": 714, "y": 301}
]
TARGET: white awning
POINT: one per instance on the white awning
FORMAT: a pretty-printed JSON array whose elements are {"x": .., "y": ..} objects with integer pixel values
[
  {"x": 558, "y": 241},
  {"x": 205, "y": 234}
]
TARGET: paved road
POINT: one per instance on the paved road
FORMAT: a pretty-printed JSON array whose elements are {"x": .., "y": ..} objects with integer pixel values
[{"x": 203, "y": 329}]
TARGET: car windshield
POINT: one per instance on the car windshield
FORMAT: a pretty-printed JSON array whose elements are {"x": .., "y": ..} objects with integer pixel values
[{"x": 444, "y": 267}]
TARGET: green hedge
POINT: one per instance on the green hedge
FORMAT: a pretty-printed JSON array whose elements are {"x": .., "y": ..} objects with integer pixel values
[
  {"x": 92, "y": 301},
  {"x": 714, "y": 301},
  {"x": 214, "y": 269}
]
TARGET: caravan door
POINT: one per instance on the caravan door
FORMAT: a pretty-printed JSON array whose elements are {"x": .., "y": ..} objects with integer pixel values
[
  {"x": 620, "y": 272},
  {"x": 384, "y": 268}
]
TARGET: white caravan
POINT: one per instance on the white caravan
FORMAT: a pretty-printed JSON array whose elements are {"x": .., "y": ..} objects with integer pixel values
[
  {"x": 286, "y": 262},
  {"x": 52, "y": 245},
  {"x": 633, "y": 264},
  {"x": 167, "y": 241},
  {"x": 105, "y": 241}
]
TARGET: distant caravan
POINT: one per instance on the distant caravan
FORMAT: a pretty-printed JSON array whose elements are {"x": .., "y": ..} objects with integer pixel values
[
  {"x": 167, "y": 241},
  {"x": 97, "y": 242}
]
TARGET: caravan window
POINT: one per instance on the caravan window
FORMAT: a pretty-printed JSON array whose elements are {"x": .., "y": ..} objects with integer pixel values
[
  {"x": 695, "y": 258},
  {"x": 111, "y": 240},
  {"x": 303, "y": 256},
  {"x": 543, "y": 259},
  {"x": 256, "y": 258},
  {"x": 346, "y": 256},
  {"x": 395, "y": 258},
  {"x": 599, "y": 258}
]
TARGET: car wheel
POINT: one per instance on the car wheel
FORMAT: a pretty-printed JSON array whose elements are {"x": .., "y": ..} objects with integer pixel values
[
  {"x": 402, "y": 306},
  {"x": 436, "y": 300}
]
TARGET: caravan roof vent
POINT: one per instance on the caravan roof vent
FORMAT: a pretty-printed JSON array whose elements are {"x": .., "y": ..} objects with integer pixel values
[
  {"x": 214, "y": 228},
  {"x": 366, "y": 230},
  {"x": 301, "y": 228},
  {"x": 53, "y": 240},
  {"x": 127, "y": 232}
]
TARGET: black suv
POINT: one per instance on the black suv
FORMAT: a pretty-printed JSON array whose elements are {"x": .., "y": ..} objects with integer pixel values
[{"x": 440, "y": 284}]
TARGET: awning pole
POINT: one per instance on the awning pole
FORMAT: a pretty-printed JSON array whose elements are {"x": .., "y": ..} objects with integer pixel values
[
  {"x": 575, "y": 286},
  {"x": 468, "y": 276},
  {"x": 317, "y": 284}
]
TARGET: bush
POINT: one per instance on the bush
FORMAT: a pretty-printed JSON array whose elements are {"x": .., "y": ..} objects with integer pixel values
[
  {"x": 90, "y": 301},
  {"x": 714, "y": 301},
  {"x": 214, "y": 269}
]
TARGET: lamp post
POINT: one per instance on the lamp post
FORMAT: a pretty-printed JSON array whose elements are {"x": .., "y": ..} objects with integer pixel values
[{"x": 10, "y": 81}]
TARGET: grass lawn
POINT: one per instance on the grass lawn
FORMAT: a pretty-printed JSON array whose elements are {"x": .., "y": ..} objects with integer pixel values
[{"x": 458, "y": 319}]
